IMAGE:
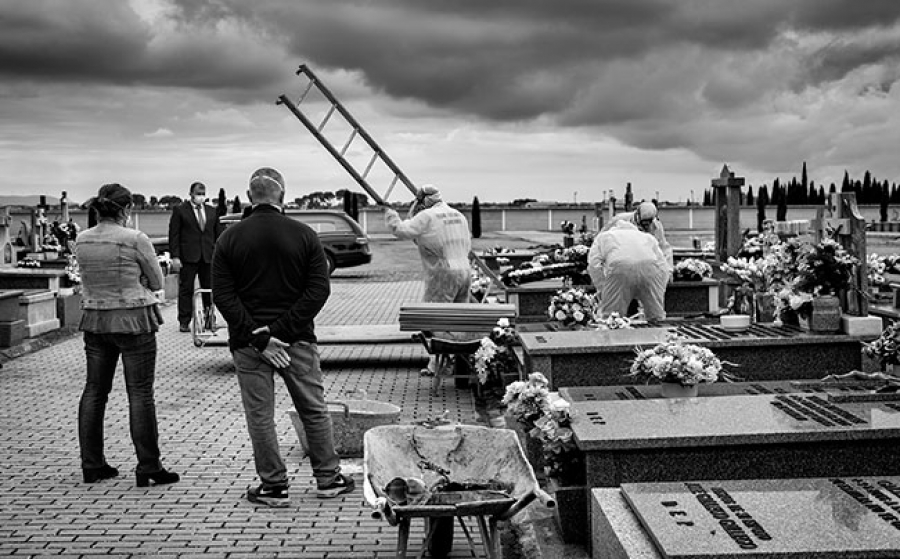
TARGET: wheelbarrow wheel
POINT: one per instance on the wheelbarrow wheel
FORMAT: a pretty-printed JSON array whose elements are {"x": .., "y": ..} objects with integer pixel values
[{"x": 441, "y": 543}]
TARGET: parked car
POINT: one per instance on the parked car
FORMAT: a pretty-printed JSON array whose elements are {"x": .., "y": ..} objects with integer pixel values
[{"x": 344, "y": 241}]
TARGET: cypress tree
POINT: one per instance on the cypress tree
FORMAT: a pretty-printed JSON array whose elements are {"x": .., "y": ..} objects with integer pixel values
[
  {"x": 221, "y": 204},
  {"x": 236, "y": 205},
  {"x": 761, "y": 202},
  {"x": 750, "y": 200},
  {"x": 476, "y": 218},
  {"x": 845, "y": 185}
]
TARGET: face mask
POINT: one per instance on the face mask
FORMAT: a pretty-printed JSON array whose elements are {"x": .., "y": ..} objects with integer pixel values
[{"x": 198, "y": 199}]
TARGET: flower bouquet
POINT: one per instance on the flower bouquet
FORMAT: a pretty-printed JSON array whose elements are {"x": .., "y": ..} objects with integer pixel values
[
  {"x": 28, "y": 262},
  {"x": 562, "y": 459},
  {"x": 73, "y": 271},
  {"x": 576, "y": 254},
  {"x": 887, "y": 347},
  {"x": 825, "y": 268},
  {"x": 572, "y": 307},
  {"x": 536, "y": 270},
  {"x": 480, "y": 285},
  {"x": 495, "y": 356},
  {"x": 568, "y": 227},
  {"x": 880, "y": 265},
  {"x": 526, "y": 401},
  {"x": 614, "y": 321},
  {"x": 676, "y": 362},
  {"x": 692, "y": 269}
]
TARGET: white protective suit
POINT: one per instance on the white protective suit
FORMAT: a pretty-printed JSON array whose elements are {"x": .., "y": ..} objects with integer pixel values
[
  {"x": 656, "y": 229},
  {"x": 442, "y": 234},
  {"x": 624, "y": 264}
]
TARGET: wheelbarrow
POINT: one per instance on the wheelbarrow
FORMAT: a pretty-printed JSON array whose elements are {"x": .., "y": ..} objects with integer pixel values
[{"x": 447, "y": 473}]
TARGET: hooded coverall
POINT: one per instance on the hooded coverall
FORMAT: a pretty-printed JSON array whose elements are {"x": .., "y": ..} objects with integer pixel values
[
  {"x": 442, "y": 234},
  {"x": 624, "y": 264}
]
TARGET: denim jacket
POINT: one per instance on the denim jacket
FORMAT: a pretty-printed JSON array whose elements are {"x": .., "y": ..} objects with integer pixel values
[{"x": 119, "y": 268}]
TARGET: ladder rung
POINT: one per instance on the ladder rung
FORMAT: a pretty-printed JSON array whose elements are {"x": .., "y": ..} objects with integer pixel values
[
  {"x": 306, "y": 91},
  {"x": 350, "y": 141},
  {"x": 369, "y": 166},
  {"x": 327, "y": 116},
  {"x": 391, "y": 187}
]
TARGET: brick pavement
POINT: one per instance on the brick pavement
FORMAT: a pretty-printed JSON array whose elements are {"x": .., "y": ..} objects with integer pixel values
[{"x": 46, "y": 510}]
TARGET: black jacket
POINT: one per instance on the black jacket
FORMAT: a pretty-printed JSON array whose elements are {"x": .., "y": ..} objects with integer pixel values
[
  {"x": 186, "y": 241},
  {"x": 269, "y": 270}
]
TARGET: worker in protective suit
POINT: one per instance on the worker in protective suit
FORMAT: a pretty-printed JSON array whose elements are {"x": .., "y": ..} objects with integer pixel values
[
  {"x": 442, "y": 235},
  {"x": 646, "y": 218},
  {"x": 626, "y": 263}
]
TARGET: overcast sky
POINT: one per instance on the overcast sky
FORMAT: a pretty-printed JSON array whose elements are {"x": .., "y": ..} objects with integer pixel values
[{"x": 548, "y": 99}]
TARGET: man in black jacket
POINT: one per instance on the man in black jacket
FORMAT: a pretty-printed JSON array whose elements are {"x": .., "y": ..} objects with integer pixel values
[
  {"x": 193, "y": 228},
  {"x": 270, "y": 280}
]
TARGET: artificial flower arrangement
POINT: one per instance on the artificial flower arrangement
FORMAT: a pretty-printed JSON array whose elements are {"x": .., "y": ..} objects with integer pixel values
[
  {"x": 877, "y": 266},
  {"x": 677, "y": 362},
  {"x": 562, "y": 459},
  {"x": 572, "y": 306},
  {"x": 495, "y": 357},
  {"x": 578, "y": 255},
  {"x": 28, "y": 262},
  {"x": 692, "y": 269},
  {"x": 65, "y": 233},
  {"x": 537, "y": 270},
  {"x": 614, "y": 321},
  {"x": 887, "y": 347},
  {"x": 526, "y": 401},
  {"x": 73, "y": 271},
  {"x": 709, "y": 246},
  {"x": 825, "y": 268},
  {"x": 568, "y": 227},
  {"x": 480, "y": 285}
]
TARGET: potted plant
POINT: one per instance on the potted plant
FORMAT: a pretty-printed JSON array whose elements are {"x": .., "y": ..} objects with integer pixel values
[
  {"x": 572, "y": 307},
  {"x": 692, "y": 269},
  {"x": 679, "y": 367},
  {"x": 824, "y": 270}
]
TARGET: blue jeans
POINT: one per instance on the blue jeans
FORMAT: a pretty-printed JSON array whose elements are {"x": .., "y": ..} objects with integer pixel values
[
  {"x": 138, "y": 353},
  {"x": 303, "y": 379}
]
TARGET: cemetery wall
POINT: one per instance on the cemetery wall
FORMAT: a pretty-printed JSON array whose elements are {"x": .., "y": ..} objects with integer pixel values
[{"x": 675, "y": 218}]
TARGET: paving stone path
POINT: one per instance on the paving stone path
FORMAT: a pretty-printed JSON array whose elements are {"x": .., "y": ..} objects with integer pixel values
[{"x": 46, "y": 510}]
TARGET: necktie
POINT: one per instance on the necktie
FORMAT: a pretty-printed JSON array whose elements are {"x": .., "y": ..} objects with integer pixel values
[{"x": 201, "y": 217}]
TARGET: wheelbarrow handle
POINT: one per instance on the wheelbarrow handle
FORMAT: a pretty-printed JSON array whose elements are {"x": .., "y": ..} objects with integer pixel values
[
  {"x": 525, "y": 500},
  {"x": 342, "y": 404}
]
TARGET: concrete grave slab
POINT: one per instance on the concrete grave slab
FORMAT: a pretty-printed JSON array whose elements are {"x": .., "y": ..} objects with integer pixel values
[{"x": 840, "y": 517}]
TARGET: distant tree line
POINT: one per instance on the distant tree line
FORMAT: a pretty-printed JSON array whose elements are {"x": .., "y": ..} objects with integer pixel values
[
  {"x": 868, "y": 191},
  {"x": 344, "y": 198}
]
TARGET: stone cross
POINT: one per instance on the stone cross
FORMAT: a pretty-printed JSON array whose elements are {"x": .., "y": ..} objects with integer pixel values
[
  {"x": 727, "y": 190},
  {"x": 842, "y": 216}
]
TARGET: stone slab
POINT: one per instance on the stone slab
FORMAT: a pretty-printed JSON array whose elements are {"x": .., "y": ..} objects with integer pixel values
[
  {"x": 730, "y": 420},
  {"x": 9, "y": 304},
  {"x": 31, "y": 278},
  {"x": 826, "y": 518},
  {"x": 594, "y": 358},
  {"x": 651, "y": 391},
  {"x": 38, "y": 328},
  {"x": 861, "y": 325}
]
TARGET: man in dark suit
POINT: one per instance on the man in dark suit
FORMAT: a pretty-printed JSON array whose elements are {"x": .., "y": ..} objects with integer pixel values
[{"x": 193, "y": 229}]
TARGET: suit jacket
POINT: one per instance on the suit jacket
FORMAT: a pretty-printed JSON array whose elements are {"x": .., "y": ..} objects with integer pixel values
[{"x": 186, "y": 240}]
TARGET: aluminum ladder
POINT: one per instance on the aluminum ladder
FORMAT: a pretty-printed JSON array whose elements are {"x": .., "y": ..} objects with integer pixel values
[{"x": 356, "y": 131}]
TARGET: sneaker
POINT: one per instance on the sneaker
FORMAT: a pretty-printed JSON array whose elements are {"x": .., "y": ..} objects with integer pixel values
[
  {"x": 271, "y": 497},
  {"x": 342, "y": 484},
  {"x": 185, "y": 327}
]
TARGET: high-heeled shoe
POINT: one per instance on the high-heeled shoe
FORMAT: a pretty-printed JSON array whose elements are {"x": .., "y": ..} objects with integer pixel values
[
  {"x": 161, "y": 477},
  {"x": 93, "y": 475}
]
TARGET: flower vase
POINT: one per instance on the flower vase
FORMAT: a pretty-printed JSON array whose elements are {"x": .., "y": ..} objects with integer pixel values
[
  {"x": 533, "y": 449},
  {"x": 678, "y": 390},
  {"x": 826, "y": 314},
  {"x": 764, "y": 304}
]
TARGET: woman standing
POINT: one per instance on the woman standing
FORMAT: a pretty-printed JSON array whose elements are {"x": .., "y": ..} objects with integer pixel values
[{"x": 119, "y": 273}]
